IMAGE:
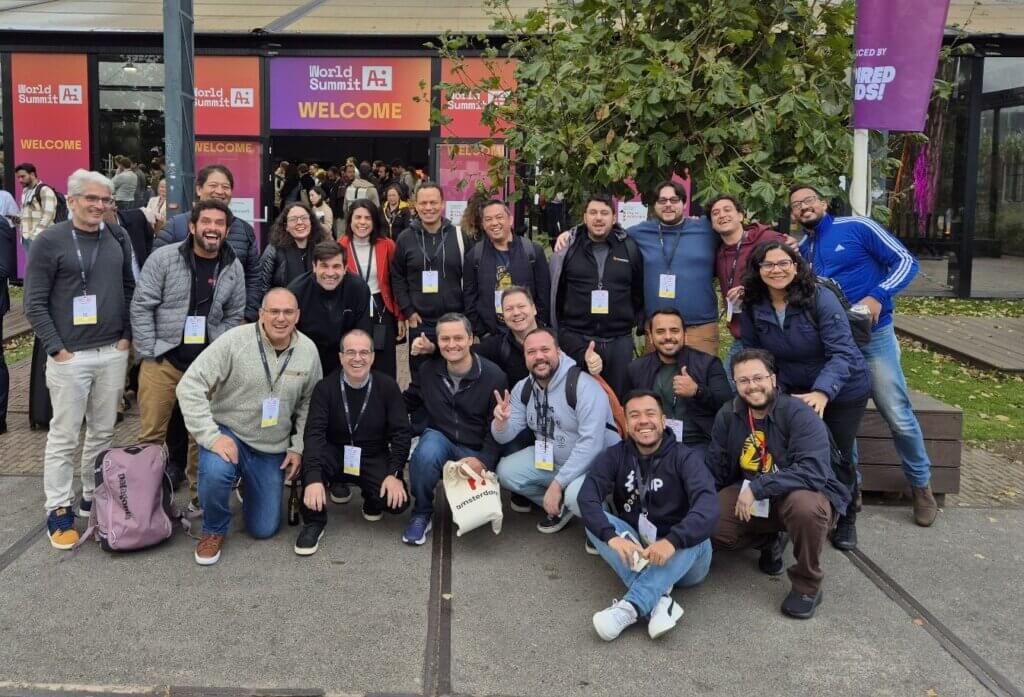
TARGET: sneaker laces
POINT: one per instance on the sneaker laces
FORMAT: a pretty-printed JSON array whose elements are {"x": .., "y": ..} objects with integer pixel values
[{"x": 65, "y": 520}]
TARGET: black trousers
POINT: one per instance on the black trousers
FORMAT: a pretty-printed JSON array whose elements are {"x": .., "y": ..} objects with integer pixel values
[
  {"x": 617, "y": 353},
  {"x": 843, "y": 421},
  {"x": 5, "y": 377},
  {"x": 372, "y": 475},
  {"x": 384, "y": 330}
]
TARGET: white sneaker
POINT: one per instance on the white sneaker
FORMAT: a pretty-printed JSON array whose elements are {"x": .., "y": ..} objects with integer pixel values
[
  {"x": 610, "y": 622},
  {"x": 664, "y": 617}
]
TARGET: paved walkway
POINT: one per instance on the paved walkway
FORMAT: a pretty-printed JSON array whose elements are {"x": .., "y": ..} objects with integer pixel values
[
  {"x": 15, "y": 322},
  {"x": 991, "y": 278}
]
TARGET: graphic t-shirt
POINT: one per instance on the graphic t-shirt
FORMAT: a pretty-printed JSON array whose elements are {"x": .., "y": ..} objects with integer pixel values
[{"x": 755, "y": 458}]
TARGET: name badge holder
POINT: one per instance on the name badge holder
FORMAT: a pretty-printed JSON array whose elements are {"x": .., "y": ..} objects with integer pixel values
[
  {"x": 195, "y": 329},
  {"x": 83, "y": 307},
  {"x": 431, "y": 283},
  {"x": 544, "y": 455},
  {"x": 599, "y": 302},
  {"x": 353, "y": 455},
  {"x": 497, "y": 301},
  {"x": 761, "y": 507},
  {"x": 676, "y": 426},
  {"x": 352, "y": 460},
  {"x": 667, "y": 286},
  {"x": 272, "y": 404}
]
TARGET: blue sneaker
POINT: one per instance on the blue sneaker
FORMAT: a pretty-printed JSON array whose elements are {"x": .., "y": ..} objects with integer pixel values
[
  {"x": 417, "y": 529},
  {"x": 84, "y": 508},
  {"x": 60, "y": 524}
]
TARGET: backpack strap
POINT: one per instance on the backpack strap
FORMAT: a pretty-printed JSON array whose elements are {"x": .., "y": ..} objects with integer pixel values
[
  {"x": 462, "y": 257},
  {"x": 572, "y": 382},
  {"x": 531, "y": 251},
  {"x": 524, "y": 396},
  {"x": 476, "y": 254}
]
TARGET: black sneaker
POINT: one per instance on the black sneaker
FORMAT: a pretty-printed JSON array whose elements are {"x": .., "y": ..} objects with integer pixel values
[
  {"x": 309, "y": 539},
  {"x": 770, "y": 561},
  {"x": 520, "y": 504},
  {"x": 800, "y": 605},
  {"x": 589, "y": 547},
  {"x": 371, "y": 514},
  {"x": 554, "y": 523},
  {"x": 844, "y": 537},
  {"x": 340, "y": 493}
]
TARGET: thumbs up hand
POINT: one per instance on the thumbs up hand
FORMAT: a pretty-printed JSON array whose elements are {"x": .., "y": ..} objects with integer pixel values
[
  {"x": 502, "y": 410},
  {"x": 594, "y": 363},
  {"x": 683, "y": 385}
]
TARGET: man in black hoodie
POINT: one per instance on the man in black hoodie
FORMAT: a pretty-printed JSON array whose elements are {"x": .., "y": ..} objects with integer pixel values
[
  {"x": 597, "y": 289},
  {"x": 426, "y": 272},
  {"x": 331, "y": 302},
  {"x": 667, "y": 509},
  {"x": 771, "y": 458}
]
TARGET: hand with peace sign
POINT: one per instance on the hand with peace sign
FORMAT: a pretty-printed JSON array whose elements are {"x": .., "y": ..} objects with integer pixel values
[{"x": 502, "y": 410}]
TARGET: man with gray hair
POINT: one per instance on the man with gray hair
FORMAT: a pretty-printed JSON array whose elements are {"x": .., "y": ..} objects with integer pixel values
[{"x": 78, "y": 292}]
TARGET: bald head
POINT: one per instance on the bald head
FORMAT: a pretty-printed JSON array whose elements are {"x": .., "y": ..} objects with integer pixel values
[{"x": 278, "y": 316}]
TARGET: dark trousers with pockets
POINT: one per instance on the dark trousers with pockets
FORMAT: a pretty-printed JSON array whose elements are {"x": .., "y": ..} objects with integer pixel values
[
  {"x": 617, "y": 353},
  {"x": 371, "y": 476}
]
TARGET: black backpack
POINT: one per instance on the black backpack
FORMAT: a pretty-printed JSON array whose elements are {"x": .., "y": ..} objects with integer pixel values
[
  {"x": 476, "y": 252},
  {"x": 61, "y": 212},
  {"x": 860, "y": 325}
]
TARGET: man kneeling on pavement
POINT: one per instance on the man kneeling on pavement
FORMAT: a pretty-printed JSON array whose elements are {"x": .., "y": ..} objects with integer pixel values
[
  {"x": 771, "y": 457},
  {"x": 667, "y": 508},
  {"x": 357, "y": 432}
]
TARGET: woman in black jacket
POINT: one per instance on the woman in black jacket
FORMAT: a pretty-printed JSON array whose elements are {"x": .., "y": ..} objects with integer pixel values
[
  {"x": 290, "y": 252},
  {"x": 393, "y": 214}
]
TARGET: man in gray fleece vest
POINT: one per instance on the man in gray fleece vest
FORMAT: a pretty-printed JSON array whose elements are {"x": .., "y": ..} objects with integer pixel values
[
  {"x": 245, "y": 400},
  {"x": 78, "y": 287},
  {"x": 568, "y": 436}
]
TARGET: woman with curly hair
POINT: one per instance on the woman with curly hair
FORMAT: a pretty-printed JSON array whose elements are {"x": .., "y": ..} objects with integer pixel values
[
  {"x": 290, "y": 252},
  {"x": 805, "y": 327}
]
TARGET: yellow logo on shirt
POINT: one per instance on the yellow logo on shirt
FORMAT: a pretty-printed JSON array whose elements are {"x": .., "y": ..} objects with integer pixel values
[{"x": 750, "y": 458}]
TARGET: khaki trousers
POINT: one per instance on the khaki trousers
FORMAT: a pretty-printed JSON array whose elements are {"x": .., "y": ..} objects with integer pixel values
[{"x": 157, "y": 381}]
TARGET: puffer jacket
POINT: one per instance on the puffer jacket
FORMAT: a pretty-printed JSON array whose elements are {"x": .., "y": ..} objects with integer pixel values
[{"x": 162, "y": 295}]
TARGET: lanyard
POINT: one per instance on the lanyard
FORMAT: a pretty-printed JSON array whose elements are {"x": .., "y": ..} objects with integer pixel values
[
  {"x": 735, "y": 261},
  {"x": 759, "y": 443},
  {"x": 439, "y": 249},
  {"x": 266, "y": 366},
  {"x": 542, "y": 412},
  {"x": 362, "y": 410},
  {"x": 601, "y": 264},
  {"x": 81, "y": 264},
  {"x": 369, "y": 263},
  {"x": 661, "y": 238},
  {"x": 641, "y": 483}
]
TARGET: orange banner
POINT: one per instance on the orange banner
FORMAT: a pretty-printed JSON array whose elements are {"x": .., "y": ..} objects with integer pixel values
[{"x": 227, "y": 95}]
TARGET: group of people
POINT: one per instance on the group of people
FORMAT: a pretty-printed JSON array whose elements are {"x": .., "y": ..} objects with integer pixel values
[{"x": 283, "y": 368}]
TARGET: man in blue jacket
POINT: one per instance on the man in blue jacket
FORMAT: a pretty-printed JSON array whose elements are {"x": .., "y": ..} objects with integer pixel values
[
  {"x": 872, "y": 267},
  {"x": 667, "y": 508},
  {"x": 771, "y": 459}
]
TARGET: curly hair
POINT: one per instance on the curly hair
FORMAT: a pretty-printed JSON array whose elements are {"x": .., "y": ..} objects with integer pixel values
[
  {"x": 280, "y": 237},
  {"x": 800, "y": 292}
]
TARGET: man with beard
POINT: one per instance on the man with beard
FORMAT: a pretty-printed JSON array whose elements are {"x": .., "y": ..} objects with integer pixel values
[
  {"x": 597, "y": 291},
  {"x": 872, "y": 267},
  {"x": 666, "y": 504},
  {"x": 568, "y": 415},
  {"x": 678, "y": 256},
  {"x": 189, "y": 293},
  {"x": 332, "y": 303},
  {"x": 770, "y": 455},
  {"x": 691, "y": 384},
  {"x": 451, "y": 399}
]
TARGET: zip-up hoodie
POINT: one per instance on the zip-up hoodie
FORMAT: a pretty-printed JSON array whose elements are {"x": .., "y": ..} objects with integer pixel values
[
  {"x": 681, "y": 499},
  {"x": 579, "y": 435},
  {"x": 863, "y": 258},
  {"x": 409, "y": 263}
]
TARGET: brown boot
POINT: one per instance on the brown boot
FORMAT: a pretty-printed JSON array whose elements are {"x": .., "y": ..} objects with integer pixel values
[{"x": 925, "y": 508}]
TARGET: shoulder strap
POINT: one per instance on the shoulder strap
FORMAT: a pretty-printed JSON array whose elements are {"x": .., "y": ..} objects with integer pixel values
[
  {"x": 476, "y": 253},
  {"x": 524, "y": 396},
  {"x": 572, "y": 381},
  {"x": 531, "y": 252}
]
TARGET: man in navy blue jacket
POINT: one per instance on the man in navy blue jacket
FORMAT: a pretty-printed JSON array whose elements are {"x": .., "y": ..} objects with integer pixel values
[
  {"x": 8, "y": 270},
  {"x": 771, "y": 458},
  {"x": 667, "y": 509},
  {"x": 872, "y": 267}
]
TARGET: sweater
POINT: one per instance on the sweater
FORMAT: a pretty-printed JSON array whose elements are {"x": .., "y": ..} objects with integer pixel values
[{"x": 227, "y": 384}]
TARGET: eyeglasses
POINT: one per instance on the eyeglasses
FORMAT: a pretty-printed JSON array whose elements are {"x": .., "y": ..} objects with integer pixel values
[
  {"x": 753, "y": 380},
  {"x": 352, "y": 353},
  {"x": 809, "y": 201},
  {"x": 665, "y": 201},
  {"x": 290, "y": 312},
  {"x": 298, "y": 218},
  {"x": 92, "y": 200},
  {"x": 783, "y": 265}
]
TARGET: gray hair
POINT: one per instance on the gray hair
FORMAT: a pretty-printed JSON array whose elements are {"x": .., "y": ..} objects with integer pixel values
[
  {"x": 81, "y": 178},
  {"x": 456, "y": 317}
]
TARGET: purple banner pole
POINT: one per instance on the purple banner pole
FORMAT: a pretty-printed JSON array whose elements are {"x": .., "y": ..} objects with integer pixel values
[{"x": 897, "y": 47}]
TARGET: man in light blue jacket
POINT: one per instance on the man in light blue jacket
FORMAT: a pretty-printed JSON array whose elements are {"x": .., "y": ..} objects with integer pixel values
[{"x": 570, "y": 418}]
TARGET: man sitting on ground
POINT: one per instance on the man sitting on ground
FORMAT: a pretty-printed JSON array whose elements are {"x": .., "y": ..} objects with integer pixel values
[
  {"x": 571, "y": 422},
  {"x": 770, "y": 455},
  {"x": 357, "y": 432},
  {"x": 667, "y": 509}
]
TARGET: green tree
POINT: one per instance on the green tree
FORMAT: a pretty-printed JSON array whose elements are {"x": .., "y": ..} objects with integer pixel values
[{"x": 749, "y": 95}]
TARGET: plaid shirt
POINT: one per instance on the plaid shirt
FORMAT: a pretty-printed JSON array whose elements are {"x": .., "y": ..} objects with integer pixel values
[{"x": 37, "y": 212}]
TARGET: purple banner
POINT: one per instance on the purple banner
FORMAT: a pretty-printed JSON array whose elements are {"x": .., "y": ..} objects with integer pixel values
[{"x": 897, "y": 48}]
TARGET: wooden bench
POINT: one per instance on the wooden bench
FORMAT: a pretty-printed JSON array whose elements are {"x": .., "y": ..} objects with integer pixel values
[{"x": 942, "y": 426}]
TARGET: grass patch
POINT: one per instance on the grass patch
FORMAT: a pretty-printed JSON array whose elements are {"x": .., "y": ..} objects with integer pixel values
[
  {"x": 16, "y": 291},
  {"x": 942, "y": 307},
  {"x": 18, "y": 348}
]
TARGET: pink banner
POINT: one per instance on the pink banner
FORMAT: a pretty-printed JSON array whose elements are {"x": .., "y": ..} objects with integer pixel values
[
  {"x": 468, "y": 164},
  {"x": 244, "y": 159}
]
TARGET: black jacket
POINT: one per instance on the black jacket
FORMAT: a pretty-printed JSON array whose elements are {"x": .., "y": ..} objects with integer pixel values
[
  {"x": 503, "y": 350},
  {"x": 279, "y": 266},
  {"x": 382, "y": 433},
  {"x": 140, "y": 234},
  {"x": 399, "y": 222},
  {"x": 408, "y": 265},
  {"x": 8, "y": 263},
  {"x": 242, "y": 239},
  {"x": 528, "y": 268},
  {"x": 575, "y": 275},
  {"x": 712, "y": 388},
  {"x": 798, "y": 445},
  {"x": 681, "y": 499},
  {"x": 464, "y": 418},
  {"x": 325, "y": 316}
]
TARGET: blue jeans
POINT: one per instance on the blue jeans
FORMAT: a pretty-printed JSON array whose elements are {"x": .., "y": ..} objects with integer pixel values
[
  {"x": 687, "y": 567},
  {"x": 737, "y": 346},
  {"x": 517, "y": 473},
  {"x": 262, "y": 477},
  {"x": 889, "y": 390},
  {"x": 427, "y": 464}
]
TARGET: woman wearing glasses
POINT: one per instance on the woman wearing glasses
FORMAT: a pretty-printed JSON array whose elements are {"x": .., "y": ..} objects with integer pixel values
[
  {"x": 369, "y": 254},
  {"x": 805, "y": 327},
  {"x": 289, "y": 254}
]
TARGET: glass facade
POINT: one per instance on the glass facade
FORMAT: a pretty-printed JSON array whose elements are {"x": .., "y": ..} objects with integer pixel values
[
  {"x": 1000, "y": 217},
  {"x": 131, "y": 109}
]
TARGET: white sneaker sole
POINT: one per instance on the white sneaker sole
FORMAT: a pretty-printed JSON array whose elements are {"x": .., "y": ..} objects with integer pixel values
[
  {"x": 557, "y": 528},
  {"x": 79, "y": 513},
  {"x": 372, "y": 518},
  {"x": 518, "y": 508},
  {"x": 340, "y": 500},
  {"x": 658, "y": 629},
  {"x": 310, "y": 551},
  {"x": 406, "y": 540},
  {"x": 605, "y": 636},
  {"x": 207, "y": 561}
]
